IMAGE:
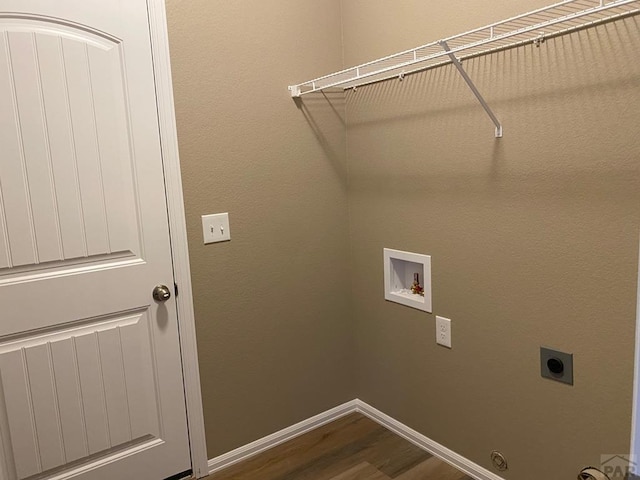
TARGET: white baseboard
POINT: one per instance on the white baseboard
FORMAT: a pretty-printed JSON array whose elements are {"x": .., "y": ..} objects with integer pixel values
[
  {"x": 458, "y": 461},
  {"x": 443, "y": 453},
  {"x": 270, "y": 441}
]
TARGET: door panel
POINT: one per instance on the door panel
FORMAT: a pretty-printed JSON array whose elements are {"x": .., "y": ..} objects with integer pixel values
[
  {"x": 90, "y": 374},
  {"x": 63, "y": 115},
  {"x": 79, "y": 391}
]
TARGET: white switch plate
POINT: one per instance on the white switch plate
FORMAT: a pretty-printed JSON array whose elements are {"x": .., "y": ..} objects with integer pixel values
[
  {"x": 443, "y": 331},
  {"x": 215, "y": 228}
]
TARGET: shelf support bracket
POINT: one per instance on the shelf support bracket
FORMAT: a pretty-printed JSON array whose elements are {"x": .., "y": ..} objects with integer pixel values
[{"x": 476, "y": 92}]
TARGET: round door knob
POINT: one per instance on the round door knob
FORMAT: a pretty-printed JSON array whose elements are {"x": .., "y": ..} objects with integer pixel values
[{"x": 161, "y": 293}]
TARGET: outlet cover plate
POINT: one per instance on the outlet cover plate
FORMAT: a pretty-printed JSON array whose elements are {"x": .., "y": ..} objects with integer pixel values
[
  {"x": 443, "y": 331},
  {"x": 556, "y": 358}
]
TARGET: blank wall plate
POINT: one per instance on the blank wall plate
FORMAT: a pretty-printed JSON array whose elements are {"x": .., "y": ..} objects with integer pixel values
[{"x": 215, "y": 228}]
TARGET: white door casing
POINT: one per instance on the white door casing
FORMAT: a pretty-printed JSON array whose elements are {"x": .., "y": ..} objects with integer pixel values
[
  {"x": 635, "y": 411},
  {"x": 178, "y": 234},
  {"x": 91, "y": 380}
]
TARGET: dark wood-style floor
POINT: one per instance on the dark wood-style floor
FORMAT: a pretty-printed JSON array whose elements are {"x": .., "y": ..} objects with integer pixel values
[{"x": 350, "y": 448}]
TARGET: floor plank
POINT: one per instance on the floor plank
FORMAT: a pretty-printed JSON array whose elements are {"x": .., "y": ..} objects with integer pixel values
[
  {"x": 433, "y": 468},
  {"x": 302, "y": 451},
  {"x": 350, "y": 448},
  {"x": 362, "y": 471}
]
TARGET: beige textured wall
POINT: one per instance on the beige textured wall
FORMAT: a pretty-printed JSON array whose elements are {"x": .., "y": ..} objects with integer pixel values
[
  {"x": 272, "y": 306},
  {"x": 533, "y": 237}
]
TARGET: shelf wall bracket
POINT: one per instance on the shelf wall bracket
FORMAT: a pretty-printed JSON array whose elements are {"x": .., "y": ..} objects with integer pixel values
[
  {"x": 295, "y": 91},
  {"x": 472, "y": 86}
]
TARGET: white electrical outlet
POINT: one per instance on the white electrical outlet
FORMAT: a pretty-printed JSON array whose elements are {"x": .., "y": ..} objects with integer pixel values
[
  {"x": 215, "y": 228},
  {"x": 443, "y": 331}
]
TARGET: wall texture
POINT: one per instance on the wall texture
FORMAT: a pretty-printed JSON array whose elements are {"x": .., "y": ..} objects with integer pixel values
[
  {"x": 533, "y": 237},
  {"x": 272, "y": 306}
]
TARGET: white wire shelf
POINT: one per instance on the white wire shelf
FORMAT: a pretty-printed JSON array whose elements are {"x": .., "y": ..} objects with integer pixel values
[{"x": 532, "y": 27}]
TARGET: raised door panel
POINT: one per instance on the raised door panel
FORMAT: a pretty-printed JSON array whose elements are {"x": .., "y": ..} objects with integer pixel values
[
  {"x": 68, "y": 182},
  {"x": 78, "y": 394}
]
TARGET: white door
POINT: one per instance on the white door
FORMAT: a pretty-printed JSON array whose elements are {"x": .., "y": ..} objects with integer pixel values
[{"x": 90, "y": 375}]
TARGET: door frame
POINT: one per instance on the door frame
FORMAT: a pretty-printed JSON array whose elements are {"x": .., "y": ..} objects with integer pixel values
[
  {"x": 178, "y": 235},
  {"x": 635, "y": 411}
]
